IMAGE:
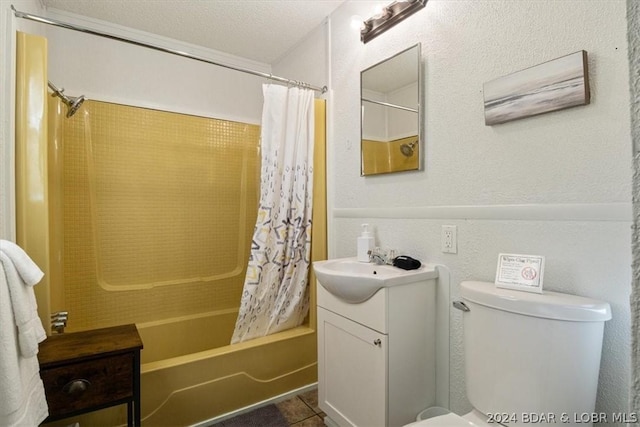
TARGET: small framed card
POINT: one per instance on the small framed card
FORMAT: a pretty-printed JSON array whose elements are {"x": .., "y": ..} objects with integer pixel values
[{"x": 520, "y": 272}]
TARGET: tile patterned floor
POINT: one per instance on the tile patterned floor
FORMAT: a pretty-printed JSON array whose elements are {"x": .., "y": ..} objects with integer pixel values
[
  {"x": 302, "y": 410},
  {"x": 298, "y": 411}
]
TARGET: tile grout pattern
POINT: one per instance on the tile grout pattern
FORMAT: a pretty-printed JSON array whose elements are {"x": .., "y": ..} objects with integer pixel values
[
  {"x": 187, "y": 165},
  {"x": 302, "y": 410},
  {"x": 298, "y": 411}
]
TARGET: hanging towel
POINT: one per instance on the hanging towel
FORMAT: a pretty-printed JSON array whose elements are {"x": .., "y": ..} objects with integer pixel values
[
  {"x": 22, "y": 401},
  {"x": 21, "y": 275},
  {"x": 28, "y": 270}
]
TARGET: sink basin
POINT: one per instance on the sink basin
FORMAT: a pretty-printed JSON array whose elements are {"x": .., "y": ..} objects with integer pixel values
[{"x": 355, "y": 282}]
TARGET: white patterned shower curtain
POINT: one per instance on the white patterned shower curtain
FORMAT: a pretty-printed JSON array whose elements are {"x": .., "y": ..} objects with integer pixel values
[{"x": 275, "y": 295}]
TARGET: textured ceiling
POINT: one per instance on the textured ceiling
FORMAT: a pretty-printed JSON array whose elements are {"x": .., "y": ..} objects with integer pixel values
[{"x": 262, "y": 30}]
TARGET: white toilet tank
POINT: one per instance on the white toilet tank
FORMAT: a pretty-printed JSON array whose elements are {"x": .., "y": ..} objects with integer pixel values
[{"x": 532, "y": 355}]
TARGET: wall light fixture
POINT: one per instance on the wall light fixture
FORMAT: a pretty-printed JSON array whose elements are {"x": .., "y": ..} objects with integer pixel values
[{"x": 388, "y": 17}]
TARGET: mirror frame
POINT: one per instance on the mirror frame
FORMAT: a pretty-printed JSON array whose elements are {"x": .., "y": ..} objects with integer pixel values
[{"x": 418, "y": 47}]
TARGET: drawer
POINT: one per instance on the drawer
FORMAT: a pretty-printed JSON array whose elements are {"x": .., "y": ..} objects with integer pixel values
[{"x": 78, "y": 386}]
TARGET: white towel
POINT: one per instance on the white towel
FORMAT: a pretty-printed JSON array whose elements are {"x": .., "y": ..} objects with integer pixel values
[
  {"x": 27, "y": 269},
  {"x": 21, "y": 275},
  {"x": 22, "y": 397}
]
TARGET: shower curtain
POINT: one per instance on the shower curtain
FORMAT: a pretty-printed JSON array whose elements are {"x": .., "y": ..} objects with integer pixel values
[{"x": 275, "y": 295}]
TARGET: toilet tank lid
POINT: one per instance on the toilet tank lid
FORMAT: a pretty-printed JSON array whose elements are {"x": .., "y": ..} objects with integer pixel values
[{"x": 548, "y": 305}]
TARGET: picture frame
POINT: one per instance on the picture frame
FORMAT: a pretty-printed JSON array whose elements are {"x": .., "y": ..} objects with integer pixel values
[
  {"x": 553, "y": 85},
  {"x": 520, "y": 272}
]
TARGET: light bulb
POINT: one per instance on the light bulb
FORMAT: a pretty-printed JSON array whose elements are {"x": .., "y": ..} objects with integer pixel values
[
  {"x": 380, "y": 11},
  {"x": 357, "y": 23}
]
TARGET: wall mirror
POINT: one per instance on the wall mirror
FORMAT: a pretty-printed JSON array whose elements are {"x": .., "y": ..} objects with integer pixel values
[{"x": 390, "y": 124}]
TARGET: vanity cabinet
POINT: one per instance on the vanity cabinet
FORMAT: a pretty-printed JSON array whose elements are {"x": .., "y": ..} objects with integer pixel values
[{"x": 376, "y": 359}]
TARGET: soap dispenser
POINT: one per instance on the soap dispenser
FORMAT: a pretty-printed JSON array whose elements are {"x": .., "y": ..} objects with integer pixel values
[{"x": 365, "y": 244}]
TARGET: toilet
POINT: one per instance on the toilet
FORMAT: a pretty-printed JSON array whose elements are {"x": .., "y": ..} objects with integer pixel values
[{"x": 529, "y": 358}]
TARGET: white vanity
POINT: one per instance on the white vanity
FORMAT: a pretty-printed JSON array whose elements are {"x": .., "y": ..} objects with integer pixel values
[{"x": 376, "y": 342}]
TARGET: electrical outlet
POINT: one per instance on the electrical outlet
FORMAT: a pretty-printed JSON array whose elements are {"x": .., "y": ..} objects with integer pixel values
[{"x": 449, "y": 239}]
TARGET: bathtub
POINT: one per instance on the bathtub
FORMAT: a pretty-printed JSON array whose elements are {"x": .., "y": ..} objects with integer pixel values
[{"x": 190, "y": 374}]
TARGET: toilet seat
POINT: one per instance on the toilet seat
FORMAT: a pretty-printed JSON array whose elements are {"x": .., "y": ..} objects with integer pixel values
[
  {"x": 472, "y": 419},
  {"x": 448, "y": 420}
]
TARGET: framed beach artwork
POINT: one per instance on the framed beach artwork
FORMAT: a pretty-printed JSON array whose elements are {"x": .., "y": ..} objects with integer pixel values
[{"x": 550, "y": 86}]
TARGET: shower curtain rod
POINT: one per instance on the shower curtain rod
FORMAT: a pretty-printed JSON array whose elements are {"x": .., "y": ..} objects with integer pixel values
[
  {"x": 386, "y": 104},
  {"x": 61, "y": 24}
]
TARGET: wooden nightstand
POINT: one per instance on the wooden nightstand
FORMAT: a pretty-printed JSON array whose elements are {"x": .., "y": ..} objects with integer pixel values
[{"x": 91, "y": 370}]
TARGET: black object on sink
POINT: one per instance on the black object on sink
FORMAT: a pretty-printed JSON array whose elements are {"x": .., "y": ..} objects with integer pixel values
[{"x": 405, "y": 262}]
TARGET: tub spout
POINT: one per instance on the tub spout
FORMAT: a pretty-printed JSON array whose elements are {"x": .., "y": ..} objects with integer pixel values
[
  {"x": 58, "y": 327},
  {"x": 59, "y": 321}
]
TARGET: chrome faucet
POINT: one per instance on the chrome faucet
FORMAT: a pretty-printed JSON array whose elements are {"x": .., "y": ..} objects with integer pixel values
[
  {"x": 377, "y": 259},
  {"x": 380, "y": 257},
  {"x": 59, "y": 321}
]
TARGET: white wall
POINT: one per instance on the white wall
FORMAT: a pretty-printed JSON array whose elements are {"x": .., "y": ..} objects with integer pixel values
[
  {"x": 558, "y": 185},
  {"x": 375, "y": 123},
  {"x": 110, "y": 70},
  {"x": 402, "y": 123},
  {"x": 386, "y": 123},
  {"x": 633, "y": 16},
  {"x": 307, "y": 61}
]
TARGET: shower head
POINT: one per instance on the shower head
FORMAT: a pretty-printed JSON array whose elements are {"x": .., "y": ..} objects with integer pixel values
[
  {"x": 407, "y": 149},
  {"x": 72, "y": 103},
  {"x": 75, "y": 104}
]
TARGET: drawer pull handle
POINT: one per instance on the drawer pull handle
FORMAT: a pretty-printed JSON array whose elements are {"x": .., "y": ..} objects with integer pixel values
[
  {"x": 378, "y": 342},
  {"x": 76, "y": 387}
]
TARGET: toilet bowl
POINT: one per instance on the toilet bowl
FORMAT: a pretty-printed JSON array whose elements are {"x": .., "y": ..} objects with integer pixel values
[{"x": 520, "y": 344}]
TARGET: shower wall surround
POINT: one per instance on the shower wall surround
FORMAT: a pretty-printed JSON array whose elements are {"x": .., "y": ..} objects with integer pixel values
[
  {"x": 32, "y": 198},
  {"x": 158, "y": 213},
  {"x": 8, "y": 31}
]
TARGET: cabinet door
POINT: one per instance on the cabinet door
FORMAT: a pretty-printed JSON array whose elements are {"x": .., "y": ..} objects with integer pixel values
[{"x": 352, "y": 371}]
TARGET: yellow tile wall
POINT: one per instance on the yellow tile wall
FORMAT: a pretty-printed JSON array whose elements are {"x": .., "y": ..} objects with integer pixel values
[
  {"x": 159, "y": 210},
  {"x": 384, "y": 157}
]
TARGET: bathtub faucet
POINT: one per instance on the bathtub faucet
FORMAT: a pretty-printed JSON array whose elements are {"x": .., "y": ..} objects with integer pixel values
[{"x": 59, "y": 321}]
